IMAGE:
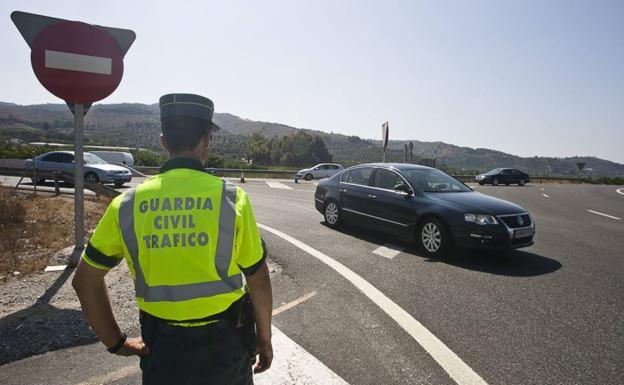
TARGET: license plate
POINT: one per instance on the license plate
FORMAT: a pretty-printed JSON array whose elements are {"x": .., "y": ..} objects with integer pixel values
[{"x": 523, "y": 233}]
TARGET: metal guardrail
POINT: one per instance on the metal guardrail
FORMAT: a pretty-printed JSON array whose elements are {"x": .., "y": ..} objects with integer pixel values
[
  {"x": 57, "y": 176},
  {"x": 227, "y": 171}
]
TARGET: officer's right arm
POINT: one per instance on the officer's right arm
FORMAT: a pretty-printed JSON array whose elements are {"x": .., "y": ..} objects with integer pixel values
[{"x": 103, "y": 253}]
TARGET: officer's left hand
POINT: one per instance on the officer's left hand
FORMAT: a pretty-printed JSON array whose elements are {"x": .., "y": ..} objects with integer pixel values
[{"x": 133, "y": 347}]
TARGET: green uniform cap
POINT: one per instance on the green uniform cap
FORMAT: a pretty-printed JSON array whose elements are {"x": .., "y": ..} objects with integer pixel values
[{"x": 189, "y": 105}]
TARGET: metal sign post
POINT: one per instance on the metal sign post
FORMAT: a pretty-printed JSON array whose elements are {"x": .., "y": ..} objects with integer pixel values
[
  {"x": 79, "y": 177},
  {"x": 81, "y": 64},
  {"x": 411, "y": 152}
]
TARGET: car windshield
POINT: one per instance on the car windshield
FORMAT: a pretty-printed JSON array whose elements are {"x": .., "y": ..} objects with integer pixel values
[
  {"x": 433, "y": 181},
  {"x": 93, "y": 159},
  {"x": 493, "y": 172}
]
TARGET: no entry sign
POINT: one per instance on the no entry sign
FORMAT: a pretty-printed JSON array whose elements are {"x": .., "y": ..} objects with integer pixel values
[
  {"x": 81, "y": 64},
  {"x": 78, "y": 62}
]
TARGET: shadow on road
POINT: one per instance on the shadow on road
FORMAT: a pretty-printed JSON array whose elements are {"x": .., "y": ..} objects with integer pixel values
[
  {"x": 514, "y": 263},
  {"x": 42, "y": 327}
]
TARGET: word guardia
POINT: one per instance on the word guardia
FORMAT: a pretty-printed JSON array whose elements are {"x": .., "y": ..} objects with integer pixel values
[{"x": 175, "y": 221}]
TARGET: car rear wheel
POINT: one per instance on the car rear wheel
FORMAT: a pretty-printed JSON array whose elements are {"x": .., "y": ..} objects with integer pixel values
[
  {"x": 434, "y": 238},
  {"x": 91, "y": 177},
  {"x": 495, "y": 182},
  {"x": 522, "y": 182},
  {"x": 119, "y": 184},
  {"x": 332, "y": 214},
  {"x": 308, "y": 177},
  {"x": 38, "y": 181}
]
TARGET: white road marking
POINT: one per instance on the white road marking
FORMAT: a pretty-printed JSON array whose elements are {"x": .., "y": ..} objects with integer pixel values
[
  {"x": 546, "y": 195},
  {"x": 315, "y": 183},
  {"x": 620, "y": 191},
  {"x": 604, "y": 215},
  {"x": 542, "y": 189},
  {"x": 292, "y": 364},
  {"x": 55, "y": 268},
  {"x": 388, "y": 251},
  {"x": 277, "y": 185},
  {"x": 457, "y": 369},
  {"x": 75, "y": 62},
  {"x": 294, "y": 303},
  {"x": 115, "y": 375}
]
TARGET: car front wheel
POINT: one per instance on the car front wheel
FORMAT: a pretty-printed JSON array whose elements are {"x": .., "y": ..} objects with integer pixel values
[
  {"x": 332, "y": 214},
  {"x": 91, "y": 177},
  {"x": 308, "y": 177},
  {"x": 434, "y": 238},
  {"x": 522, "y": 182}
]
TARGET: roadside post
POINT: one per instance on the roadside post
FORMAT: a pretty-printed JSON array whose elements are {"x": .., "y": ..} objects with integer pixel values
[
  {"x": 384, "y": 135},
  {"x": 80, "y": 63},
  {"x": 404, "y": 152},
  {"x": 411, "y": 152}
]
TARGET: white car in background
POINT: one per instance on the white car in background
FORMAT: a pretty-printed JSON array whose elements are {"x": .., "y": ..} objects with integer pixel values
[
  {"x": 320, "y": 171},
  {"x": 95, "y": 169},
  {"x": 115, "y": 157}
]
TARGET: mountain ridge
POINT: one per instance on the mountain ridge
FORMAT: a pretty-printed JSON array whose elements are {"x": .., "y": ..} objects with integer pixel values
[{"x": 109, "y": 124}]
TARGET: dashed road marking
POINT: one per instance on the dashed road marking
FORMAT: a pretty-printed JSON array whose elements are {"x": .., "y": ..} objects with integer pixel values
[
  {"x": 546, "y": 195},
  {"x": 315, "y": 183},
  {"x": 620, "y": 191},
  {"x": 277, "y": 185},
  {"x": 604, "y": 215},
  {"x": 388, "y": 251},
  {"x": 542, "y": 189},
  {"x": 55, "y": 268},
  {"x": 294, "y": 303},
  {"x": 457, "y": 369}
]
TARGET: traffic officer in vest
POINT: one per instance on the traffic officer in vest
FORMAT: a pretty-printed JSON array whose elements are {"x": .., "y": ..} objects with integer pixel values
[{"x": 188, "y": 238}]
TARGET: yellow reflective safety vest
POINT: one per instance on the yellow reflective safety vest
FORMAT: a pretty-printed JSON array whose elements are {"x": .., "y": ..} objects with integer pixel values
[{"x": 186, "y": 237}]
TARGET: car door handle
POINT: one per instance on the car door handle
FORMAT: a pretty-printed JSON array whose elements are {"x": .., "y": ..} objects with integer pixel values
[
  {"x": 343, "y": 190},
  {"x": 371, "y": 196}
]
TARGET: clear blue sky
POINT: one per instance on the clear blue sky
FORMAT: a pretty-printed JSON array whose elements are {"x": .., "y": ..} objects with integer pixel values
[{"x": 525, "y": 77}]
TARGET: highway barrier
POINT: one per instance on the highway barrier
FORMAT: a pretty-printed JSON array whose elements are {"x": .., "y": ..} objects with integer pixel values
[{"x": 36, "y": 175}]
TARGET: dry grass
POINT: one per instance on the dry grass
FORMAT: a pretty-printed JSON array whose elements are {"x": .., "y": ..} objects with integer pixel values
[{"x": 33, "y": 228}]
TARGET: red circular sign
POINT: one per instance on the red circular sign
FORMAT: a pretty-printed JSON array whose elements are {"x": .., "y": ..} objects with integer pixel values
[{"x": 77, "y": 62}]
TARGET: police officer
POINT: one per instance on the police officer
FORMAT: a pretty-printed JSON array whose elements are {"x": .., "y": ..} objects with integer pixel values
[{"x": 187, "y": 237}]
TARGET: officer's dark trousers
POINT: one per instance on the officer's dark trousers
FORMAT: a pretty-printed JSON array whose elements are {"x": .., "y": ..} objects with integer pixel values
[{"x": 211, "y": 354}]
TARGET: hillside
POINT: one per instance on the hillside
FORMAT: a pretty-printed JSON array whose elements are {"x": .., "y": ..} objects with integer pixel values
[{"x": 138, "y": 125}]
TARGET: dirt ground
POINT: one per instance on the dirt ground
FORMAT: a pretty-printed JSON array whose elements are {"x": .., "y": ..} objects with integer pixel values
[{"x": 33, "y": 228}]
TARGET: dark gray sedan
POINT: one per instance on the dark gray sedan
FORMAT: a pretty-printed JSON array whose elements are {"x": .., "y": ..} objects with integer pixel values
[{"x": 423, "y": 204}]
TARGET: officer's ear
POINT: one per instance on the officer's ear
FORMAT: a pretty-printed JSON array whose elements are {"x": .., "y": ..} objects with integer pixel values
[
  {"x": 206, "y": 139},
  {"x": 163, "y": 142}
]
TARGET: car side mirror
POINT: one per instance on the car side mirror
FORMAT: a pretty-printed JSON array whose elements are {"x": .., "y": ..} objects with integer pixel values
[{"x": 403, "y": 188}]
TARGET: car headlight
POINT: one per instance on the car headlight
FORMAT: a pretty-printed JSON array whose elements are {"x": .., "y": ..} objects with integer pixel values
[{"x": 481, "y": 219}]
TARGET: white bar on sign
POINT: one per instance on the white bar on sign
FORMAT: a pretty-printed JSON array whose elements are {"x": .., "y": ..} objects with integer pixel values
[{"x": 75, "y": 62}]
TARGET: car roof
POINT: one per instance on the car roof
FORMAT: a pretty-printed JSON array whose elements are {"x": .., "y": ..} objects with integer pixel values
[{"x": 397, "y": 166}]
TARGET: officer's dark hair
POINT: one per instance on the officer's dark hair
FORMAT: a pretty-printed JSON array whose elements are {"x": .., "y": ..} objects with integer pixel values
[{"x": 183, "y": 133}]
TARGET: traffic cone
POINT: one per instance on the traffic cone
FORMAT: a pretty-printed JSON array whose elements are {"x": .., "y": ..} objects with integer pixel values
[{"x": 242, "y": 180}]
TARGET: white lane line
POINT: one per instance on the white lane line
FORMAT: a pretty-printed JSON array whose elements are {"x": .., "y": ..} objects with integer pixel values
[
  {"x": 294, "y": 303},
  {"x": 542, "y": 189},
  {"x": 315, "y": 183},
  {"x": 388, "y": 251},
  {"x": 620, "y": 191},
  {"x": 604, "y": 215},
  {"x": 277, "y": 185},
  {"x": 292, "y": 364},
  {"x": 457, "y": 369},
  {"x": 546, "y": 195},
  {"x": 55, "y": 268}
]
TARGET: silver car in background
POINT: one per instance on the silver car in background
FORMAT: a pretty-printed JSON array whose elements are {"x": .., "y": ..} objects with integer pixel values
[
  {"x": 95, "y": 169},
  {"x": 320, "y": 171}
]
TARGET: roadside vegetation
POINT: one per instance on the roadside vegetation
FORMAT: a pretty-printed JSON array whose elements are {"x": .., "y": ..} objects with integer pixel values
[{"x": 34, "y": 228}]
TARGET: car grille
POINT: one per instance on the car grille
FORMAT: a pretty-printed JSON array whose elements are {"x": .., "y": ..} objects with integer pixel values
[{"x": 514, "y": 221}]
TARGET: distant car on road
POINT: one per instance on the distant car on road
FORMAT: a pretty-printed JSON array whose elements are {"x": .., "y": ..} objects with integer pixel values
[
  {"x": 95, "y": 169},
  {"x": 422, "y": 204},
  {"x": 322, "y": 170},
  {"x": 505, "y": 176}
]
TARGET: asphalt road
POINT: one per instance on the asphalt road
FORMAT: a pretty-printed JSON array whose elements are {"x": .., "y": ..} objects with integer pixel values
[{"x": 548, "y": 314}]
